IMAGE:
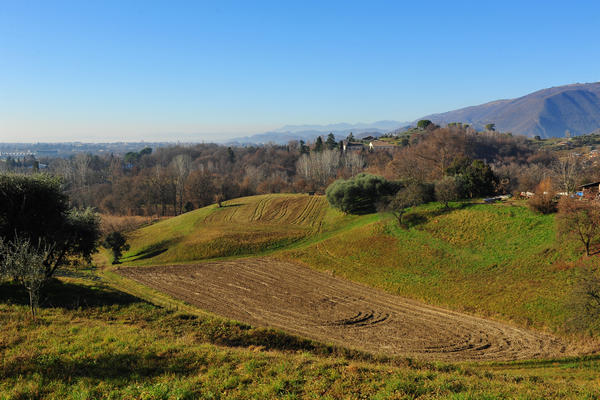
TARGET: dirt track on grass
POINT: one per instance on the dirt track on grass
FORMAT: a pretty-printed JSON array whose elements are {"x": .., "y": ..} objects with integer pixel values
[{"x": 291, "y": 297}]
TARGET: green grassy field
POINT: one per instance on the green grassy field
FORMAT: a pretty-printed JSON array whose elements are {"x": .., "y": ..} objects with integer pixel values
[
  {"x": 93, "y": 340},
  {"x": 96, "y": 342},
  {"x": 245, "y": 226},
  {"x": 499, "y": 260}
]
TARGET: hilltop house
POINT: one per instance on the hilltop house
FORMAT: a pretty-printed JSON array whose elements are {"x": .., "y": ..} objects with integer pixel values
[
  {"x": 350, "y": 146},
  {"x": 381, "y": 145}
]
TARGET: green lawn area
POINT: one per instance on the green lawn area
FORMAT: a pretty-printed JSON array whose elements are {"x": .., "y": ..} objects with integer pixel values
[
  {"x": 91, "y": 341},
  {"x": 493, "y": 260}
]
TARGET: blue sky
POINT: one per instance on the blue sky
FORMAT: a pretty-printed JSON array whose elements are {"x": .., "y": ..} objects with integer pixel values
[{"x": 193, "y": 71}]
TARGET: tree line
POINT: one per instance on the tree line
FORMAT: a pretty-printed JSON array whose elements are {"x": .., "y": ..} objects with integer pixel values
[{"x": 176, "y": 179}]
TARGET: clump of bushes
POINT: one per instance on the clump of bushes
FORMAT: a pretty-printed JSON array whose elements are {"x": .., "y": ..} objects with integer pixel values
[
  {"x": 544, "y": 200},
  {"x": 360, "y": 194},
  {"x": 474, "y": 178}
]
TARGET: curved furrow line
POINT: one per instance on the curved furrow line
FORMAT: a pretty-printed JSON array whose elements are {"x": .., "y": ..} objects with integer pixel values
[{"x": 288, "y": 296}]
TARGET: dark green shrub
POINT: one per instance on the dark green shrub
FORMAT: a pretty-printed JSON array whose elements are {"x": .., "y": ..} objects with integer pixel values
[
  {"x": 475, "y": 177},
  {"x": 360, "y": 194}
]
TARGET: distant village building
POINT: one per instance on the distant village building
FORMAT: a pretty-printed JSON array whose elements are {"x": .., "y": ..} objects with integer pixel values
[
  {"x": 381, "y": 145},
  {"x": 590, "y": 190},
  {"x": 15, "y": 154},
  {"x": 350, "y": 146}
]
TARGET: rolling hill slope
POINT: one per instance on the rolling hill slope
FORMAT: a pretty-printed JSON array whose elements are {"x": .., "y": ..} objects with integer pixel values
[
  {"x": 547, "y": 113},
  {"x": 242, "y": 226},
  {"x": 491, "y": 260}
]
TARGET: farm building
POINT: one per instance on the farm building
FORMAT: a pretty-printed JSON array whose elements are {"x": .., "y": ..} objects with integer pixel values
[
  {"x": 350, "y": 146},
  {"x": 590, "y": 190},
  {"x": 381, "y": 145}
]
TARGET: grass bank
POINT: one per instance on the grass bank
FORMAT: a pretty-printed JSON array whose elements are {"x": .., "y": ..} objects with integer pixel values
[
  {"x": 498, "y": 261},
  {"x": 92, "y": 341}
]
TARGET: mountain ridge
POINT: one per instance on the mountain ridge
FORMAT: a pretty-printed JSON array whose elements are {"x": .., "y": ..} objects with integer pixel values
[{"x": 547, "y": 112}]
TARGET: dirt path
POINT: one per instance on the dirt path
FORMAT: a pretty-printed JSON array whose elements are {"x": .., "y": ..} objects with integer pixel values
[{"x": 264, "y": 292}]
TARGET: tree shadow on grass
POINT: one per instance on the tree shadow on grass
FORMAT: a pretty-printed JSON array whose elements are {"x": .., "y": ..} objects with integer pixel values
[
  {"x": 104, "y": 366},
  {"x": 228, "y": 333},
  {"x": 146, "y": 363},
  {"x": 150, "y": 251},
  {"x": 231, "y": 205},
  {"x": 145, "y": 255},
  {"x": 59, "y": 294},
  {"x": 411, "y": 220}
]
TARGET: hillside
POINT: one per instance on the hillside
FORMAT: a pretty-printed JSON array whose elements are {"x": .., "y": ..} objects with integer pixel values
[
  {"x": 98, "y": 343},
  {"x": 546, "y": 113},
  {"x": 500, "y": 261},
  {"x": 243, "y": 226},
  {"x": 492, "y": 260}
]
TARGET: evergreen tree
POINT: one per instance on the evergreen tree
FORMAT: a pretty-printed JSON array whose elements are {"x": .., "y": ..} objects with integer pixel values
[
  {"x": 423, "y": 124},
  {"x": 303, "y": 147},
  {"x": 330, "y": 142},
  {"x": 319, "y": 144}
]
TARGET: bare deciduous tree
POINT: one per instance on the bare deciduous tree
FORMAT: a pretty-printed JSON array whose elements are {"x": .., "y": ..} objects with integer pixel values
[
  {"x": 581, "y": 219},
  {"x": 354, "y": 162},
  {"x": 182, "y": 165},
  {"x": 319, "y": 167},
  {"x": 447, "y": 189},
  {"x": 81, "y": 168},
  {"x": 439, "y": 148},
  {"x": 567, "y": 171},
  {"x": 543, "y": 200},
  {"x": 584, "y": 302},
  {"x": 163, "y": 188}
]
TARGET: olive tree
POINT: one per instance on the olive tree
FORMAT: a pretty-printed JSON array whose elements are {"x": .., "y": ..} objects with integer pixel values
[
  {"x": 361, "y": 194},
  {"x": 117, "y": 243},
  {"x": 23, "y": 262},
  {"x": 35, "y": 209}
]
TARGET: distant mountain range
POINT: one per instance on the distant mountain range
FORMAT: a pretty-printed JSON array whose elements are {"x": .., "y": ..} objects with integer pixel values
[
  {"x": 546, "y": 113},
  {"x": 309, "y": 133}
]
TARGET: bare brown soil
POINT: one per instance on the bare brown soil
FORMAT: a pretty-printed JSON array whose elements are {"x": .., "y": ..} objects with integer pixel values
[{"x": 288, "y": 296}]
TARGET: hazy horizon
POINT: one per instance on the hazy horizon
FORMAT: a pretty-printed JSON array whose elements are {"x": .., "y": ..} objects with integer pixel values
[{"x": 111, "y": 71}]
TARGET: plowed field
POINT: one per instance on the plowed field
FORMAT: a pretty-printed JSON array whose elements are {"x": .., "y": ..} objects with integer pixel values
[{"x": 288, "y": 296}]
